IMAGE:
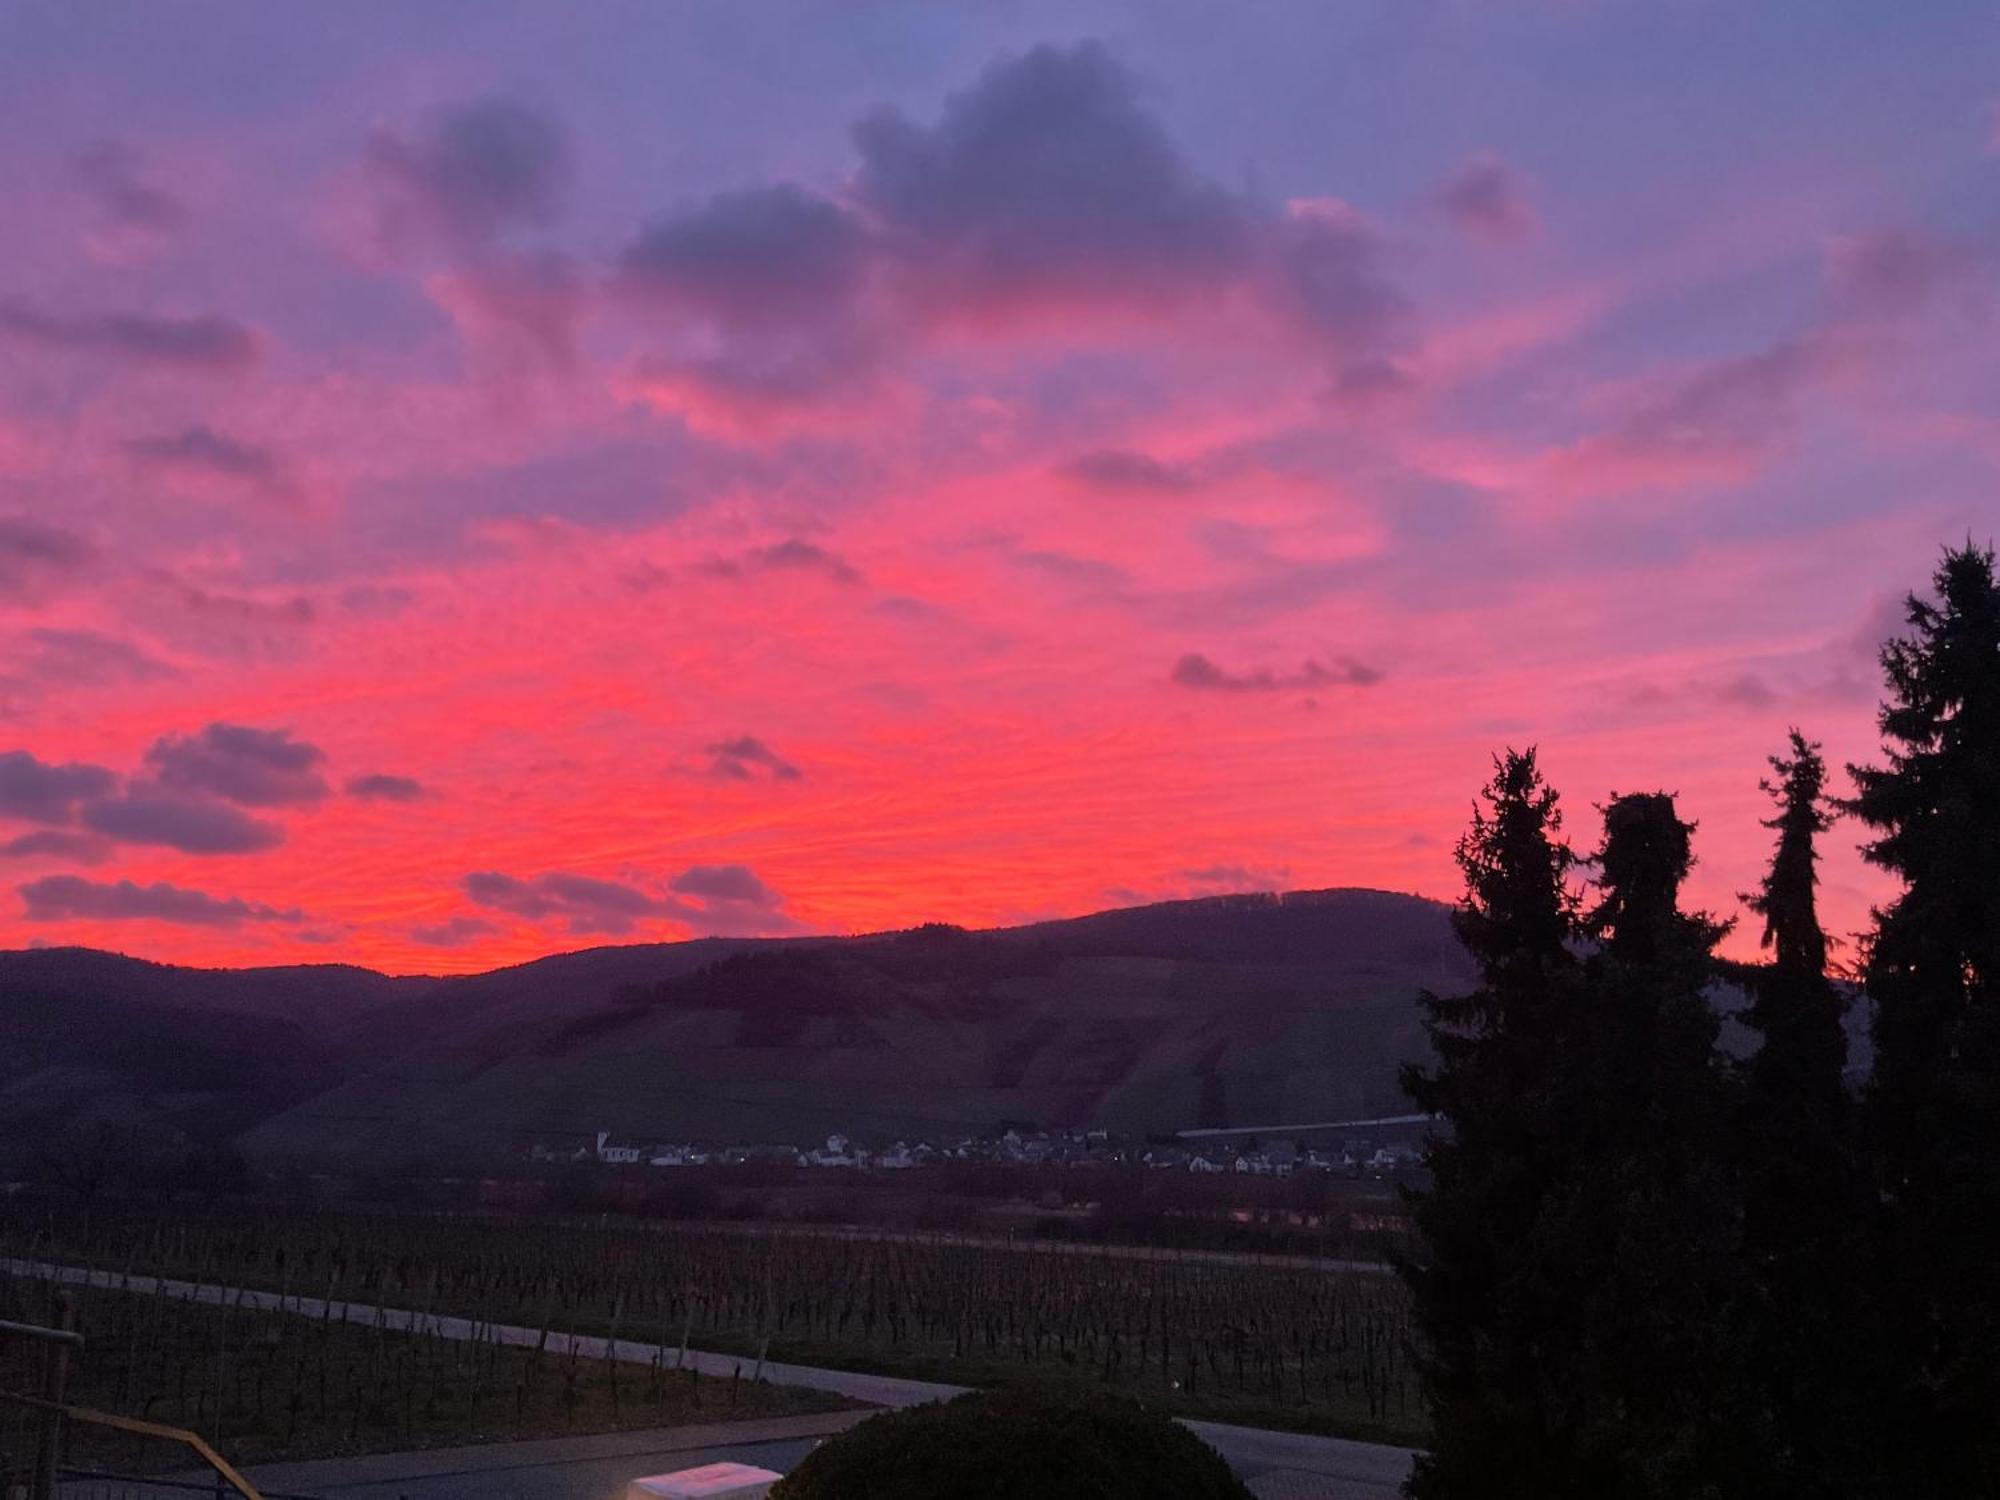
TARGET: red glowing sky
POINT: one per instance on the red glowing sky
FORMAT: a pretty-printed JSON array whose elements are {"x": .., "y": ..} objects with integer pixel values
[{"x": 630, "y": 479}]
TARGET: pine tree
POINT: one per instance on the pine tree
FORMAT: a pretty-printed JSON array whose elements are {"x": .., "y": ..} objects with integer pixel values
[
  {"x": 1933, "y": 972},
  {"x": 1654, "y": 1217},
  {"x": 1806, "y": 1212},
  {"x": 1491, "y": 1314}
]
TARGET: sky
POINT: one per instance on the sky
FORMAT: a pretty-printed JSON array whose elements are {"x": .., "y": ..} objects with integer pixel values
[{"x": 482, "y": 479}]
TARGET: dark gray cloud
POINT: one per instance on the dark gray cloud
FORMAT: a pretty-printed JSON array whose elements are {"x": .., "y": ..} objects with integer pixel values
[
  {"x": 58, "y": 843},
  {"x": 1486, "y": 197},
  {"x": 1126, "y": 471},
  {"x": 203, "y": 450},
  {"x": 37, "y": 791},
  {"x": 1199, "y": 672},
  {"x": 144, "y": 814},
  {"x": 201, "y": 343},
  {"x": 745, "y": 758},
  {"x": 251, "y": 767},
  {"x": 58, "y": 898},
  {"x": 381, "y": 787},
  {"x": 475, "y": 173}
]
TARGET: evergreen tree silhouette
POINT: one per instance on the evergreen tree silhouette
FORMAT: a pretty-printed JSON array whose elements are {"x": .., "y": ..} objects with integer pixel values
[
  {"x": 1494, "y": 1311},
  {"x": 1933, "y": 971},
  {"x": 1806, "y": 1294},
  {"x": 1661, "y": 1378}
]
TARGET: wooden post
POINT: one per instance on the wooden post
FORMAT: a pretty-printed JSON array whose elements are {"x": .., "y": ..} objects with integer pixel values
[{"x": 55, "y": 1384}]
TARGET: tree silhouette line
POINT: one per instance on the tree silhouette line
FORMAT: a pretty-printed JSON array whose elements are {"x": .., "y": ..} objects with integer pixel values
[{"x": 1644, "y": 1269}]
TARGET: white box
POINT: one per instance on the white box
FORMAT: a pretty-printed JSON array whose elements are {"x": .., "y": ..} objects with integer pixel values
[{"x": 709, "y": 1482}]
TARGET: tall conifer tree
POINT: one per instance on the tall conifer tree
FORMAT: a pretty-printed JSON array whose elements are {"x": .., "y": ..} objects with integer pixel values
[
  {"x": 1933, "y": 972},
  {"x": 1805, "y": 1294},
  {"x": 1655, "y": 1213},
  {"x": 1490, "y": 1306}
]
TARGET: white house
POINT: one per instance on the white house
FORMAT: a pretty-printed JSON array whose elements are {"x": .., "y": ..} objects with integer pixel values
[
  {"x": 617, "y": 1155},
  {"x": 838, "y": 1151}
]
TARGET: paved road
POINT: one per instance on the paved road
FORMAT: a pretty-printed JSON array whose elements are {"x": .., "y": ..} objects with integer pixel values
[
  {"x": 1279, "y": 1465},
  {"x": 597, "y": 1468}
]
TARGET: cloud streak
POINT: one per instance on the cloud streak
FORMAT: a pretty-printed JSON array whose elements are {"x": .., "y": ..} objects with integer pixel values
[
  {"x": 71, "y": 898},
  {"x": 202, "y": 343},
  {"x": 1200, "y": 673}
]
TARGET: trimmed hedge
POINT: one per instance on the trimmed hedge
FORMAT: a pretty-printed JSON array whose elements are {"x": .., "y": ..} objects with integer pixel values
[{"x": 1015, "y": 1445}]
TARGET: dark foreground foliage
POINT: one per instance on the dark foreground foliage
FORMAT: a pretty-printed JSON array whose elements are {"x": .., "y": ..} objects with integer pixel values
[
  {"x": 1007, "y": 1445},
  {"x": 1648, "y": 1272}
]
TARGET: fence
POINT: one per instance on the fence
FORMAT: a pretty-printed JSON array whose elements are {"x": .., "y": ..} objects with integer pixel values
[{"x": 48, "y": 1477}]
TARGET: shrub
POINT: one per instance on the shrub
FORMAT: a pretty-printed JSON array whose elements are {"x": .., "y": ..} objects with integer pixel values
[{"x": 1006, "y": 1445}]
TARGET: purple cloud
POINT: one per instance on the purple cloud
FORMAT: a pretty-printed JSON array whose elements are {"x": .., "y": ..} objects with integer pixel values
[
  {"x": 206, "y": 344},
  {"x": 136, "y": 212},
  {"x": 36, "y": 791},
  {"x": 1046, "y": 187},
  {"x": 725, "y": 885},
  {"x": 790, "y": 554},
  {"x": 203, "y": 450},
  {"x": 1197, "y": 671},
  {"x": 57, "y": 843},
  {"x": 765, "y": 255},
  {"x": 1047, "y": 181},
  {"x": 1714, "y": 421},
  {"x": 454, "y": 932},
  {"x": 1324, "y": 270},
  {"x": 145, "y": 814},
  {"x": 745, "y": 757},
  {"x": 1122, "y": 470},
  {"x": 1221, "y": 878},
  {"x": 380, "y": 787},
  {"x": 1488, "y": 199},
  {"x": 59, "y": 898},
  {"x": 480, "y": 171},
  {"x": 531, "y": 301},
  {"x": 85, "y": 656},
  {"x": 1890, "y": 274},
  {"x": 251, "y": 767},
  {"x": 763, "y": 291},
  {"x": 37, "y": 559},
  {"x": 584, "y": 902}
]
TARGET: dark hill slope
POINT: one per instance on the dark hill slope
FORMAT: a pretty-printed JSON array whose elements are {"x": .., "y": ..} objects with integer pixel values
[
  {"x": 1227, "y": 1011},
  {"x": 89, "y": 1039}
]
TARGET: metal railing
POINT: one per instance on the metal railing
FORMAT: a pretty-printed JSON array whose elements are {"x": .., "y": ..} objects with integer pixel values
[{"x": 49, "y": 1471}]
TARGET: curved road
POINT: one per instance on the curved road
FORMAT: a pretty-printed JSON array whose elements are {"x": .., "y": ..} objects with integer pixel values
[{"x": 1278, "y": 1465}]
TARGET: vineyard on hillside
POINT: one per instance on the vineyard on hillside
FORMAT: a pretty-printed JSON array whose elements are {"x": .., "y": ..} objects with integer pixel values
[{"x": 1310, "y": 1347}]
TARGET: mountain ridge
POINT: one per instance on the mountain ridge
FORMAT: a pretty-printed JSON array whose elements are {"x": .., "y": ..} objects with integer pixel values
[{"x": 1164, "y": 1015}]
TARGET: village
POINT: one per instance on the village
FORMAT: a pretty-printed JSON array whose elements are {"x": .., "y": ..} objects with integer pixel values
[{"x": 1074, "y": 1149}]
